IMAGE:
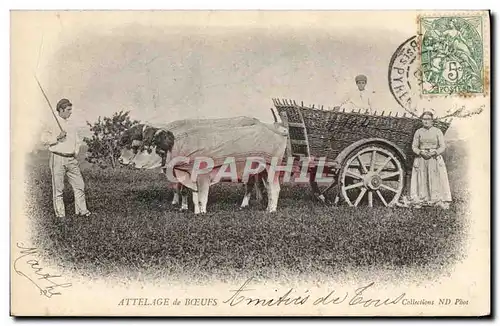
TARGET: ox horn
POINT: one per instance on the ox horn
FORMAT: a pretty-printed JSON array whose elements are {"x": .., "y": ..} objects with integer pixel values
[{"x": 274, "y": 116}]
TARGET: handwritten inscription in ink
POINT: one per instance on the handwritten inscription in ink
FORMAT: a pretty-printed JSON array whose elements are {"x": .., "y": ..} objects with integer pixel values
[{"x": 28, "y": 266}]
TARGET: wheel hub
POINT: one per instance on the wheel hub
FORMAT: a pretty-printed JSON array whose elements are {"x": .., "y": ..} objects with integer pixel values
[{"x": 373, "y": 181}]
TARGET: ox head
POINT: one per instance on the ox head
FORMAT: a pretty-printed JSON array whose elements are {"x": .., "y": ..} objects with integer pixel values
[
  {"x": 131, "y": 134},
  {"x": 145, "y": 160},
  {"x": 130, "y": 143},
  {"x": 279, "y": 126},
  {"x": 160, "y": 139},
  {"x": 138, "y": 143}
]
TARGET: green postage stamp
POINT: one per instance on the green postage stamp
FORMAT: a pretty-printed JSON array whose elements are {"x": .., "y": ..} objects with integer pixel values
[{"x": 452, "y": 55}]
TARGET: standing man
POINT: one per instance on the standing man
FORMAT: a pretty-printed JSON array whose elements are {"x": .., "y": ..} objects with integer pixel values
[
  {"x": 359, "y": 98},
  {"x": 63, "y": 151}
]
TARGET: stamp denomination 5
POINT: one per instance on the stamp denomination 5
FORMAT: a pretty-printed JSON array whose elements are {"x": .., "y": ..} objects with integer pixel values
[{"x": 452, "y": 55}]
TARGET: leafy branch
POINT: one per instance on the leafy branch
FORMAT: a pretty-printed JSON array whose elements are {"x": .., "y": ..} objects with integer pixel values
[{"x": 103, "y": 148}]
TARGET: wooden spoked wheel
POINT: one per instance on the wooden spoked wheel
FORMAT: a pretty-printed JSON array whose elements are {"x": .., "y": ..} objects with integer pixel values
[{"x": 371, "y": 176}]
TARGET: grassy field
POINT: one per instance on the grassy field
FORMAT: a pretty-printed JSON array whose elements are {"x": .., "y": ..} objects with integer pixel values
[{"x": 136, "y": 231}]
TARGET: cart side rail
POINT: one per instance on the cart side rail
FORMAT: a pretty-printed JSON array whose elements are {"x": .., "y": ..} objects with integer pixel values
[
  {"x": 320, "y": 133},
  {"x": 368, "y": 141}
]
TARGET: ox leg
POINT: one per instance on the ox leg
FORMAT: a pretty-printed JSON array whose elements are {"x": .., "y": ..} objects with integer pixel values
[
  {"x": 184, "y": 205},
  {"x": 184, "y": 194},
  {"x": 273, "y": 191},
  {"x": 248, "y": 192},
  {"x": 258, "y": 189},
  {"x": 246, "y": 198},
  {"x": 175, "y": 200},
  {"x": 263, "y": 185},
  {"x": 196, "y": 202},
  {"x": 203, "y": 189},
  {"x": 266, "y": 185},
  {"x": 273, "y": 196}
]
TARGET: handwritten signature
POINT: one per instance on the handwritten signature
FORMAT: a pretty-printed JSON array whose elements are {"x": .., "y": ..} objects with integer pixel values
[
  {"x": 358, "y": 298},
  {"x": 26, "y": 265}
]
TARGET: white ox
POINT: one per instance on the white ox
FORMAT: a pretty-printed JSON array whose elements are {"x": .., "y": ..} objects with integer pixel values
[
  {"x": 218, "y": 139},
  {"x": 145, "y": 160},
  {"x": 132, "y": 144}
]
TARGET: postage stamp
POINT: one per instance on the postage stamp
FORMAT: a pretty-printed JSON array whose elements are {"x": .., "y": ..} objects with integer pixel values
[
  {"x": 452, "y": 54},
  {"x": 249, "y": 163}
]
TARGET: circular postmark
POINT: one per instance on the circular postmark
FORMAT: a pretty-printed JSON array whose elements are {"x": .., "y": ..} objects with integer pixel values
[{"x": 405, "y": 74}]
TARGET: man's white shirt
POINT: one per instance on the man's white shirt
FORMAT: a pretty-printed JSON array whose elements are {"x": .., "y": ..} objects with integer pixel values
[
  {"x": 357, "y": 99},
  {"x": 71, "y": 145}
]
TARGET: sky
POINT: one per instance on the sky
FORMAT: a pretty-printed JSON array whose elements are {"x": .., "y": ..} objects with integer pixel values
[
  {"x": 168, "y": 75},
  {"x": 162, "y": 72}
]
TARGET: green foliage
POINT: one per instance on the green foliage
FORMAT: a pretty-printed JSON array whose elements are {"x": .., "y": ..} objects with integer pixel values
[{"x": 103, "y": 148}]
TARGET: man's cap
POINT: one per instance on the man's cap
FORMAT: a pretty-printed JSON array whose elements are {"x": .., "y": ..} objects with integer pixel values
[
  {"x": 63, "y": 103},
  {"x": 360, "y": 77}
]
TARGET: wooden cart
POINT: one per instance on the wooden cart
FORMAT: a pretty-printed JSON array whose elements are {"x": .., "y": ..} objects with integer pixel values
[{"x": 369, "y": 156}]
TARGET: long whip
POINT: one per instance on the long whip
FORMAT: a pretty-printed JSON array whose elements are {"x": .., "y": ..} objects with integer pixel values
[{"x": 48, "y": 102}]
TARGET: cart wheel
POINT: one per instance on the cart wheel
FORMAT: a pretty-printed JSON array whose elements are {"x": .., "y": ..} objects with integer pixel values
[{"x": 371, "y": 175}]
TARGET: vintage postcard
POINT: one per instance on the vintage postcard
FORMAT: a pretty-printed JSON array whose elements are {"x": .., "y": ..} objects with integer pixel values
[{"x": 250, "y": 163}]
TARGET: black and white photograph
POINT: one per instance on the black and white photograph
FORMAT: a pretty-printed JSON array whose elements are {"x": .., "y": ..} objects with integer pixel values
[{"x": 250, "y": 163}]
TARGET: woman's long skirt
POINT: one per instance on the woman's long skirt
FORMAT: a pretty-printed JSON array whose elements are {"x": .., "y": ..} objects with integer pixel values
[{"x": 429, "y": 181}]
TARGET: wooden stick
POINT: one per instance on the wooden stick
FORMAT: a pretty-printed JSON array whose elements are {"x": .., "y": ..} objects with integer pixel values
[{"x": 48, "y": 102}]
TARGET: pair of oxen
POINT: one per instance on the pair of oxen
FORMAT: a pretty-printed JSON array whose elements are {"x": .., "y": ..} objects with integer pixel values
[{"x": 145, "y": 146}]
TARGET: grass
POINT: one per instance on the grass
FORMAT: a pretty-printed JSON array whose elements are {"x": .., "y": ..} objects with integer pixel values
[{"x": 135, "y": 231}]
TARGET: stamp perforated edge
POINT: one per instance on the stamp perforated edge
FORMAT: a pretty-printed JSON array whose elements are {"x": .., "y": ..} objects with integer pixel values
[{"x": 485, "y": 16}]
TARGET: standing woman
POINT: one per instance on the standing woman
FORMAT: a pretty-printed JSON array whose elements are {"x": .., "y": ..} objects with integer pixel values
[{"x": 429, "y": 179}]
